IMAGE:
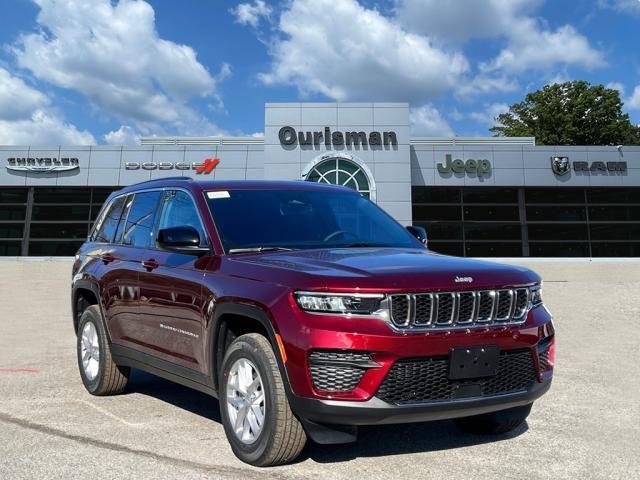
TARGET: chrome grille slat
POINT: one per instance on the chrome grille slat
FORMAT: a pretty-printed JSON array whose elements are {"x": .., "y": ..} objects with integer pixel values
[{"x": 468, "y": 308}]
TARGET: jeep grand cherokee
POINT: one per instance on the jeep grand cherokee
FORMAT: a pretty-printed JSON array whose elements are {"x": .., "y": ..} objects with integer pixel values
[{"x": 307, "y": 311}]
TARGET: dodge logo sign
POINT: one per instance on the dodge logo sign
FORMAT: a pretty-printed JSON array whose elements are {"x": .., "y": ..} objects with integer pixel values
[{"x": 560, "y": 165}]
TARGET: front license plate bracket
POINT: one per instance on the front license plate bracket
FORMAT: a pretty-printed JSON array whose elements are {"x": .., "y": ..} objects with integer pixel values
[{"x": 473, "y": 362}]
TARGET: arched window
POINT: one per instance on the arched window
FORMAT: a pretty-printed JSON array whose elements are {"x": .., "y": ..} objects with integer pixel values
[{"x": 341, "y": 171}]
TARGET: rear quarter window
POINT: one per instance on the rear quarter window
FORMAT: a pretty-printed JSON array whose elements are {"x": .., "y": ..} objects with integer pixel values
[{"x": 108, "y": 222}]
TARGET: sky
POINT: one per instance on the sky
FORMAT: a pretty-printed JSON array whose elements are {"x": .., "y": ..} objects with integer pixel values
[{"x": 101, "y": 71}]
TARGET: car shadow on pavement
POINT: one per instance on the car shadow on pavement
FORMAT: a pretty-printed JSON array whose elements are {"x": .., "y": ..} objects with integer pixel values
[
  {"x": 384, "y": 440},
  {"x": 182, "y": 397},
  {"x": 373, "y": 441}
]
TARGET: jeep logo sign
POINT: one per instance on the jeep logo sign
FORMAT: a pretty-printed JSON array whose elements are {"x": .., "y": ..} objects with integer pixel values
[{"x": 470, "y": 166}]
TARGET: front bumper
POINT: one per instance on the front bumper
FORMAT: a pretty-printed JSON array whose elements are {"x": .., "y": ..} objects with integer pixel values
[{"x": 377, "y": 412}]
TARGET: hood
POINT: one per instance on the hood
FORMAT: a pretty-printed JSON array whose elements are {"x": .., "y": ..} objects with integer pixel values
[{"x": 379, "y": 269}]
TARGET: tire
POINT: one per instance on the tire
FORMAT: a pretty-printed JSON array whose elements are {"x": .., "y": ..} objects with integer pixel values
[
  {"x": 280, "y": 436},
  {"x": 100, "y": 376},
  {"x": 495, "y": 423}
]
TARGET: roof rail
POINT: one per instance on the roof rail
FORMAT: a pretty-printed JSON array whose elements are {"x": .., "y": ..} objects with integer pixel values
[{"x": 188, "y": 179}]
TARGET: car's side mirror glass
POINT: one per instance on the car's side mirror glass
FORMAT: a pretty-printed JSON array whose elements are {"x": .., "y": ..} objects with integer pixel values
[
  {"x": 183, "y": 239},
  {"x": 419, "y": 232}
]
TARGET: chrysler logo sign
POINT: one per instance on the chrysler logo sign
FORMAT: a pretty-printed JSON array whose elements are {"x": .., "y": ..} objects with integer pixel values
[{"x": 42, "y": 164}]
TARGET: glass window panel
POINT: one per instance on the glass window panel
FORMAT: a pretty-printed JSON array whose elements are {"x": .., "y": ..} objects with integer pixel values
[
  {"x": 123, "y": 217},
  {"x": 11, "y": 230},
  {"x": 613, "y": 195},
  {"x": 615, "y": 249},
  {"x": 435, "y": 195},
  {"x": 615, "y": 231},
  {"x": 560, "y": 249},
  {"x": 557, "y": 231},
  {"x": 557, "y": 213},
  {"x": 424, "y": 213},
  {"x": 140, "y": 223},
  {"x": 101, "y": 194},
  {"x": 492, "y": 231},
  {"x": 58, "y": 248},
  {"x": 14, "y": 212},
  {"x": 614, "y": 213},
  {"x": 108, "y": 222},
  {"x": 447, "y": 248},
  {"x": 490, "y": 195},
  {"x": 179, "y": 211},
  {"x": 13, "y": 195},
  {"x": 62, "y": 195},
  {"x": 348, "y": 166},
  {"x": 10, "y": 249},
  {"x": 58, "y": 230},
  {"x": 491, "y": 212},
  {"x": 60, "y": 212},
  {"x": 554, "y": 195},
  {"x": 501, "y": 249},
  {"x": 443, "y": 230}
]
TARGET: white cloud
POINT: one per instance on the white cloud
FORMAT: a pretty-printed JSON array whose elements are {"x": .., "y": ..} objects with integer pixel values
[
  {"x": 251, "y": 14},
  {"x": 17, "y": 99},
  {"x": 624, "y": 6},
  {"x": 530, "y": 48},
  {"x": 633, "y": 102},
  {"x": 427, "y": 121},
  {"x": 113, "y": 55},
  {"x": 356, "y": 53},
  {"x": 42, "y": 128},
  {"x": 484, "y": 84},
  {"x": 459, "y": 21},
  {"x": 529, "y": 43},
  {"x": 488, "y": 117},
  {"x": 26, "y": 117},
  {"x": 125, "y": 135},
  {"x": 616, "y": 86}
]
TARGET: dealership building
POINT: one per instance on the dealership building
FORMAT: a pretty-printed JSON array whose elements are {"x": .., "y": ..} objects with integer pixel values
[{"x": 478, "y": 197}]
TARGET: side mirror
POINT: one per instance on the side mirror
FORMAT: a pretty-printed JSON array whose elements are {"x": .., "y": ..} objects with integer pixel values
[
  {"x": 419, "y": 232},
  {"x": 181, "y": 239}
]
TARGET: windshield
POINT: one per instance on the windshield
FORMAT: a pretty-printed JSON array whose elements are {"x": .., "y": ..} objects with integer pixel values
[{"x": 302, "y": 219}]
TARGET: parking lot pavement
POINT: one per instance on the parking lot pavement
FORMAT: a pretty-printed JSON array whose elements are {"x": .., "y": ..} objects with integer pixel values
[{"x": 587, "y": 426}]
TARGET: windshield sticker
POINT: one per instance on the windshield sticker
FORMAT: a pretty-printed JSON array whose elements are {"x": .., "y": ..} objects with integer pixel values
[{"x": 215, "y": 195}]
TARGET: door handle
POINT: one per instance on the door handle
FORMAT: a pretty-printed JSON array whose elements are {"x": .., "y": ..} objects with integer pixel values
[
  {"x": 150, "y": 264},
  {"x": 107, "y": 258}
]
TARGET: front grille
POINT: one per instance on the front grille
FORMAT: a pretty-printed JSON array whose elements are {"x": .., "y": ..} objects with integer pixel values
[
  {"x": 338, "y": 371},
  {"x": 427, "y": 379},
  {"x": 458, "y": 309}
]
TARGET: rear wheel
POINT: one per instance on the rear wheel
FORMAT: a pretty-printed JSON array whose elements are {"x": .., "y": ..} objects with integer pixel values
[
  {"x": 100, "y": 375},
  {"x": 257, "y": 419},
  {"x": 495, "y": 423}
]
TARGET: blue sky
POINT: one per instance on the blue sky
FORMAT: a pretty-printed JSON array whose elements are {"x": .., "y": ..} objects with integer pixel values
[{"x": 100, "y": 71}]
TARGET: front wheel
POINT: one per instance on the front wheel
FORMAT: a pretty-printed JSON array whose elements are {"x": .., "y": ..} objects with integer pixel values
[
  {"x": 257, "y": 419},
  {"x": 495, "y": 423}
]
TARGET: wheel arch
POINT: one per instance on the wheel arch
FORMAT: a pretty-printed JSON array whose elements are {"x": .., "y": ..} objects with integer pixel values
[
  {"x": 85, "y": 294},
  {"x": 233, "y": 319}
]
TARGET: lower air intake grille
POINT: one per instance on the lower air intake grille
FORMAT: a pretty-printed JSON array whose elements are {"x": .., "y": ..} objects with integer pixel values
[
  {"x": 338, "y": 371},
  {"x": 427, "y": 379}
]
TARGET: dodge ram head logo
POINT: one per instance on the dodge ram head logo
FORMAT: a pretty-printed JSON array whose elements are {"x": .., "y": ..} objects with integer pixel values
[{"x": 560, "y": 165}]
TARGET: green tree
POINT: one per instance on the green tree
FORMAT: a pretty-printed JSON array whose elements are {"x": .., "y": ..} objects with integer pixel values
[{"x": 570, "y": 113}]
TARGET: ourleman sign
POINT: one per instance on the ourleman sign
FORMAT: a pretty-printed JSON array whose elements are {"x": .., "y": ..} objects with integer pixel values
[
  {"x": 288, "y": 136},
  {"x": 470, "y": 166},
  {"x": 42, "y": 164}
]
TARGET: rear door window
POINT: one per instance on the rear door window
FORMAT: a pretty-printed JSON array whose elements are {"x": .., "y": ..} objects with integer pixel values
[
  {"x": 138, "y": 231},
  {"x": 108, "y": 222}
]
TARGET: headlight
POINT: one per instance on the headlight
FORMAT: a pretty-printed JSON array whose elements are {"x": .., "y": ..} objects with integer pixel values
[
  {"x": 344, "y": 303},
  {"x": 536, "y": 295}
]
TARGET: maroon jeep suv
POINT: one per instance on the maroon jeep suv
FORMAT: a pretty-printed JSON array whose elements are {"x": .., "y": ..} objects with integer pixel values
[{"x": 307, "y": 311}]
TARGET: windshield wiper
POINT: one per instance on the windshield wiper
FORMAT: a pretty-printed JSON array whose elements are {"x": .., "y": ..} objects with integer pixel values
[{"x": 259, "y": 249}]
